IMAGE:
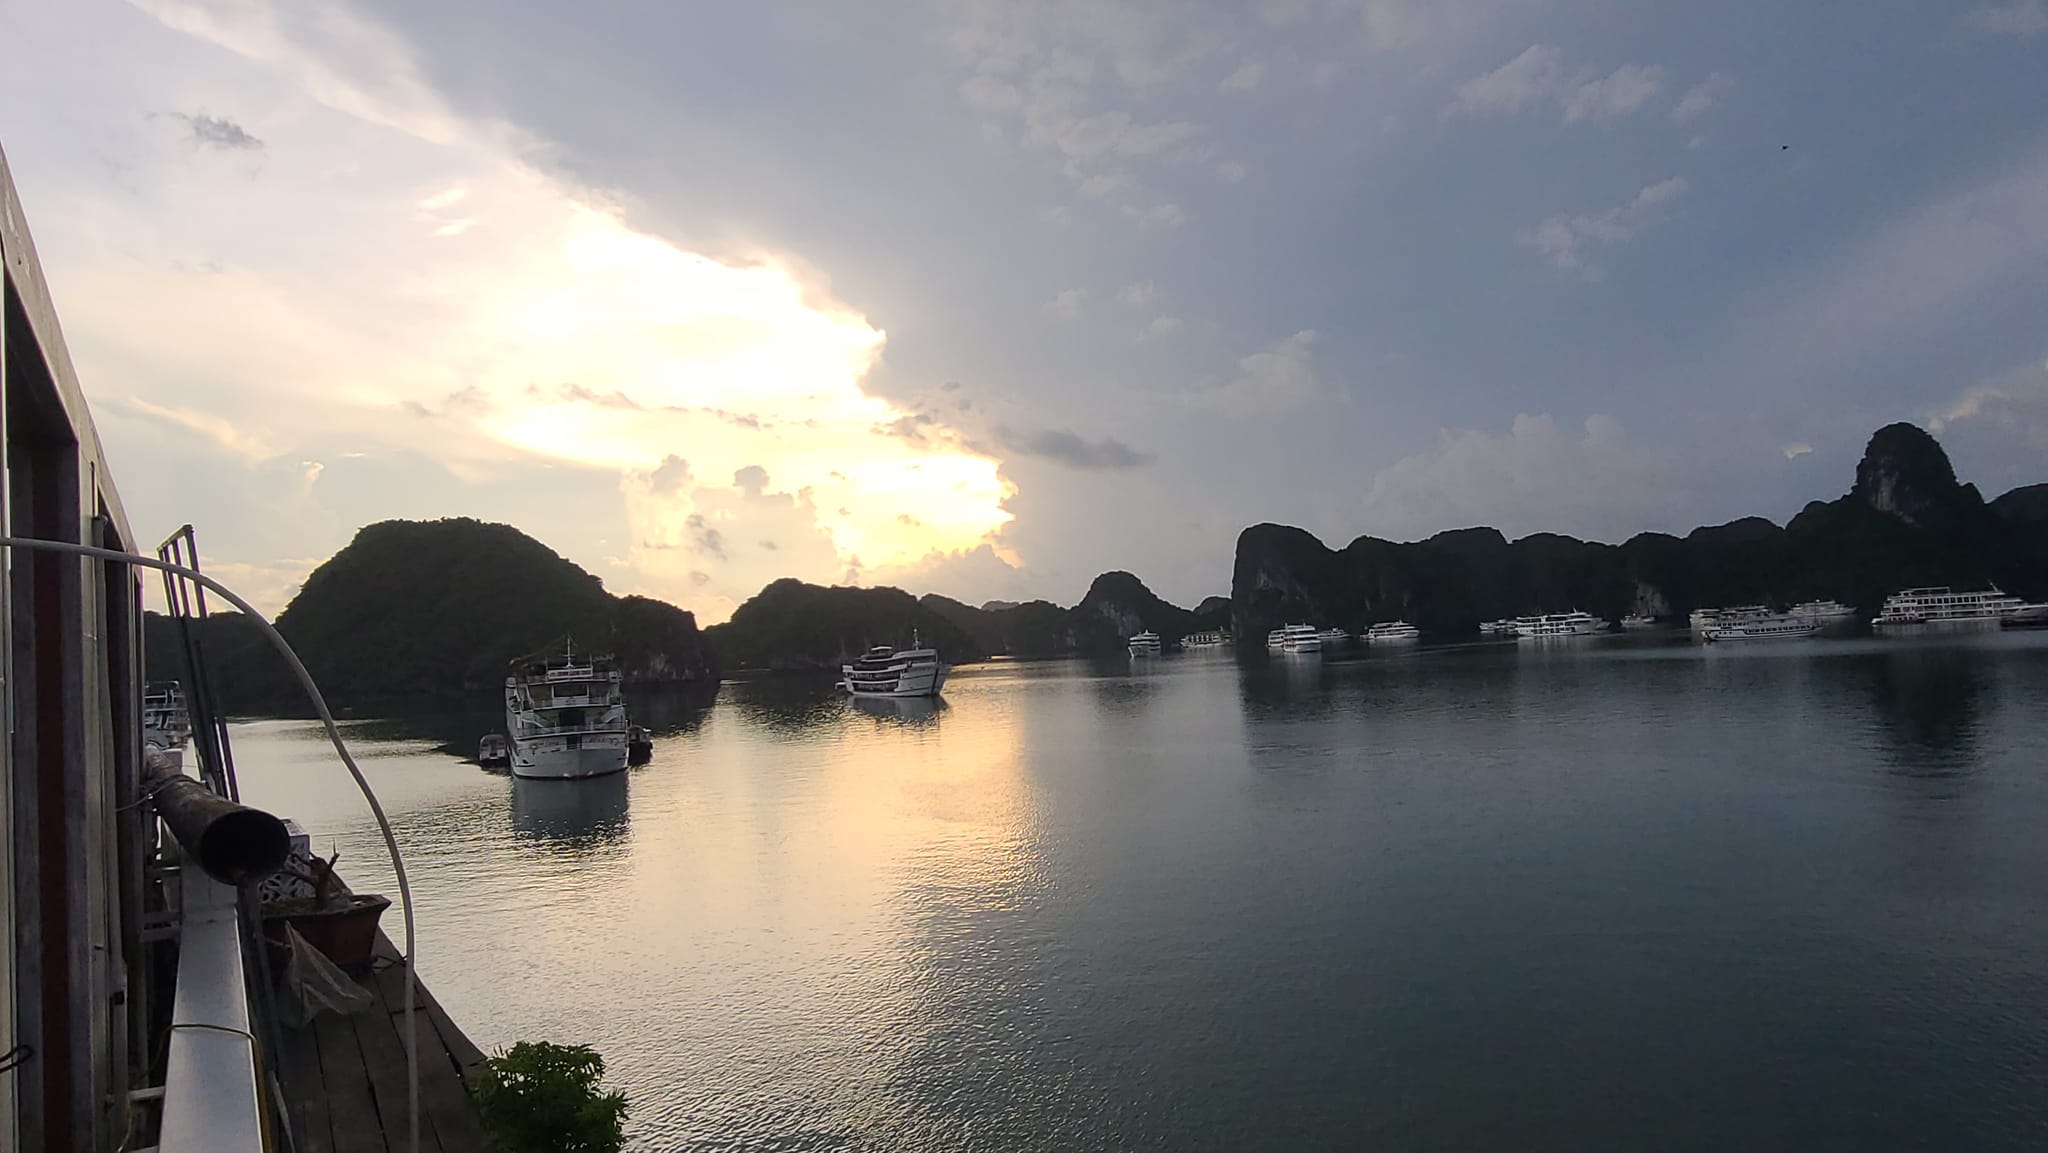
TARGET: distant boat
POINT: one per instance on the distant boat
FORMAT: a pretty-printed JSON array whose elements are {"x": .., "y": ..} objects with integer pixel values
[
  {"x": 639, "y": 745},
  {"x": 1943, "y": 608},
  {"x": 166, "y": 722},
  {"x": 1392, "y": 633},
  {"x": 1635, "y": 621},
  {"x": 1276, "y": 641},
  {"x": 494, "y": 751},
  {"x": 1145, "y": 644},
  {"x": 1207, "y": 640},
  {"x": 1301, "y": 639},
  {"x": 1500, "y": 628},
  {"x": 1552, "y": 625},
  {"x": 566, "y": 720},
  {"x": 1332, "y": 636},
  {"x": 2026, "y": 616},
  {"x": 886, "y": 672},
  {"x": 1823, "y": 612},
  {"x": 1705, "y": 619},
  {"x": 1777, "y": 627}
]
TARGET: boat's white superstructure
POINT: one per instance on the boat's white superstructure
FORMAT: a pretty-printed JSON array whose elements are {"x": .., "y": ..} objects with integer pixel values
[
  {"x": 1823, "y": 612},
  {"x": 1942, "y": 606},
  {"x": 166, "y": 723},
  {"x": 1301, "y": 639},
  {"x": 1500, "y": 628},
  {"x": 886, "y": 672},
  {"x": 1332, "y": 636},
  {"x": 566, "y": 720},
  {"x": 1637, "y": 621},
  {"x": 1775, "y": 627},
  {"x": 1204, "y": 640},
  {"x": 1276, "y": 641},
  {"x": 1547, "y": 625},
  {"x": 1702, "y": 620},
  {"x": 1145, "y": 644},
  {"x": 1392, "y": 633},
  {"x": 2027, "y": 616}
]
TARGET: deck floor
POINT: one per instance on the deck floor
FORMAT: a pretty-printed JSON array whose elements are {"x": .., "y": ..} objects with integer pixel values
[{"x": 344, "y": 1076}]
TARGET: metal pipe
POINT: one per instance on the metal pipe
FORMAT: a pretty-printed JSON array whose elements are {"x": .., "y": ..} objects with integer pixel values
[{"x": 235, "y": 844}]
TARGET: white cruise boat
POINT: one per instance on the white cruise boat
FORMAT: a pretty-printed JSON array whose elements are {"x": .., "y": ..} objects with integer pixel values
[
  {"x": 1822, "y": 612},
  {"x": 1776, "y": 627},
  {"x": 913, "y": 672},
  {"x": 1392, "y": 633},
  {"x": 1301, "y": 639},
  {"x": 1145, "y": 644},
  {"x": 1276, "y": 641},
  {"x": 1205, "y": 640},
  {"x": 1549, "y": 625},
  {"x": 166, "y": 723},
  {"x": 1499, "y": 628},
  {"x": 1333, "y": 636},
  {"x": 566, "y": 720},
  {"x": 1638, "y": 621},
  {"x": 1703, "y": 620},
  {"x": 2027, "y": 616},
  {"x": 1943, "y": 607}
]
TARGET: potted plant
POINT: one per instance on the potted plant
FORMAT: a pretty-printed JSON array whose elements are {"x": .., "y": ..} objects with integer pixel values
[
  {"x": 341, "y": 924},
  {"x": 539, "y": 1097}
]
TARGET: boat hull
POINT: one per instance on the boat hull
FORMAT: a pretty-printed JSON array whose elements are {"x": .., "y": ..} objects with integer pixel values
[
  {"x": 554, "y": 758},
  {"x": 913, "y": 682}
]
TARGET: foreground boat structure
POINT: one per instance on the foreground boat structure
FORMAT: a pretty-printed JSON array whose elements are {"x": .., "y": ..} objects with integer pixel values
[{"x": 134, "y": 993}]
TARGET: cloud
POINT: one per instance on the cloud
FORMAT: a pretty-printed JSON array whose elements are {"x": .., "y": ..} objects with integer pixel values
[
  {"x": 1245, "y": 77},
  {"x": 1139, "y": 294},
  {"x": 1536, "y": 76},
  {"x": 1564, "y": 240},
  {"x": 1160, "y": 326},
  {"x": 1230, "y": 172},
  {"x": 1530, "y": 77},
  {"x": 1701, "y": 98},
  {"x": 1795, "y": 450},
  {"x": 220, "y": 132},
  {"x": 1157, "y": 215},
  {"x": 2022, "y": 18},
  {"x": 1072, "y": 449},
  {"x": 1536, "y": 477},
  {"x": 553, "y": 336},
  {"x": 1278, "y": 379},
  {"x": 250, "y": 445},
  {"x": 2016, "y": 401},
  {"x": 1621, "y": 92},
  {"x": 1067, "y": 304}
]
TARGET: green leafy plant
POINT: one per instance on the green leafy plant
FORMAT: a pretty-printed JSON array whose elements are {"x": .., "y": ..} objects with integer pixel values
[{"x": 538, "y": 1097}]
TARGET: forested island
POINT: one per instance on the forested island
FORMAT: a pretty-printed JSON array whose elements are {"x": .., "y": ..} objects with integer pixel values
[{"x": 417, "y": 611}]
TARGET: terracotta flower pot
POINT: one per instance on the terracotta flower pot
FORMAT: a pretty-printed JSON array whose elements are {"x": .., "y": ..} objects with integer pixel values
[{"x": 348, "y": 936}]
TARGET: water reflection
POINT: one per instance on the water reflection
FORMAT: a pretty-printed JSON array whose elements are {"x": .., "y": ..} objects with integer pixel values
[
  {"x": 669, "y": 711},
  {"x": 914, "y": 712},
  {"x": 575, "y": 815},
  {"x": 787, "y": 704},
  {"x": 1929, "y": 702}
]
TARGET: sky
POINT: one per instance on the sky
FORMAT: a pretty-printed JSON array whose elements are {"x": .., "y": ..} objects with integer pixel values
[{"x": 985, "y": 297}]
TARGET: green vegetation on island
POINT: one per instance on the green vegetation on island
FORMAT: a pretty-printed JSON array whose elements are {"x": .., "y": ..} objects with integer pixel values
[{"x": 1907, "y": 521}]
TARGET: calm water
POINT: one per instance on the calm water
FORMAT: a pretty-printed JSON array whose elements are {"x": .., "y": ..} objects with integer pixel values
[{"x": 1625, "y": 896}]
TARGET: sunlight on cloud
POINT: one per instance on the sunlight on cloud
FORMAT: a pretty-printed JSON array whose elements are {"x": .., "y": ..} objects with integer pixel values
[{"x": 452, "y": 298}]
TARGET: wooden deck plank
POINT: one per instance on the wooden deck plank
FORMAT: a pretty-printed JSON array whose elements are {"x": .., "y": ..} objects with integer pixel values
[
  {"x": 384, "y": 1055},
  {"x": 444, "y": 1097},
  {"x": 306, "y": 1096},
  {"x": 351, "y": 1106}
]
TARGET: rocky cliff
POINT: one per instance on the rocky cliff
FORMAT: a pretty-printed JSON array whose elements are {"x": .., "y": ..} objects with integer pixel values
[
  {"x": 1119, "y": 606},
  {"x": 1907, "y": 520},
  {"x": 792, "y": 626},
  {"x": 414, "y": 611}
]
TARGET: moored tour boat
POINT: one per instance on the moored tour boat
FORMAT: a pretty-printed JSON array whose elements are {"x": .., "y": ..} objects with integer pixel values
[
  {"x": 566, "y": 720},
  {"x": 1500, "y": 628},
  {"x": 494, "y": 751},
  {"x": 1301, "y": 639},
  {"x": 1392, "y": 633},
  {"x": 883, "y": 671},
  {"x": 1552, "y": 625},
  {"x": 639, "y": 745},
  {"x": 1942, "y": 607},
  {"x": 1145, "y": 644},
  {"x": 1776, "y": 627},
  {"x": 1638, "y": 621},
  {"x": 2027, "y": 616},
  {"x": 166, "y": 723},
  {"x": 1825, "y": 612}
]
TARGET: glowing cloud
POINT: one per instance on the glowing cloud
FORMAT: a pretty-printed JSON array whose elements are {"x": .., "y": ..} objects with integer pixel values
[{"x": 435, "y": 291}]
